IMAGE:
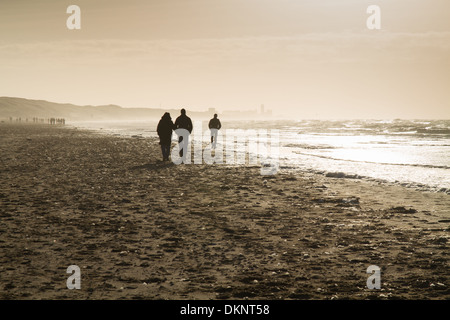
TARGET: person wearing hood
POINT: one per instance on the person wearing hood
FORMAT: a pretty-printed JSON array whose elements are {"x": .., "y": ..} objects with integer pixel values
[{"x": 164, "y": 129}]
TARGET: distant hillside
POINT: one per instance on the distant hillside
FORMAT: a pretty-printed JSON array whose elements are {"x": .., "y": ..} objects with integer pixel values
[{"x": 28, "y": 109}]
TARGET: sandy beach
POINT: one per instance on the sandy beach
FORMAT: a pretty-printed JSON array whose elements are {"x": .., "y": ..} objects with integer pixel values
[{"x": 139, "y": 228}]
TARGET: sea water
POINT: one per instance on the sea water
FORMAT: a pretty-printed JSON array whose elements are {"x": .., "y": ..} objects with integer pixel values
[{"x": 412, "y": 153}]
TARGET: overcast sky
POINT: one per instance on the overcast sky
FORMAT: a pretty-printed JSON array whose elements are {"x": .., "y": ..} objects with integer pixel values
[{"x": 305, "y": 58}]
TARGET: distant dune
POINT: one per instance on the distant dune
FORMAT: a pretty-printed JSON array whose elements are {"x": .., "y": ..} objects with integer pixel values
[{"x": 28, "y": 109}]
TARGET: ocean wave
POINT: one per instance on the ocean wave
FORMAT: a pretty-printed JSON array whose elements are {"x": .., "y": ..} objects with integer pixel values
[
  {"x": 373, "y": 162},
  {"x": 308, "y": 146},
  {"x": 377, "y": 127},
  {"x": 434, "y": 131}
]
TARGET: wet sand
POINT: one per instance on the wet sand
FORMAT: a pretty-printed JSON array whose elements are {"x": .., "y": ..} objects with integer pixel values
[{"x": 139, "y": 228}]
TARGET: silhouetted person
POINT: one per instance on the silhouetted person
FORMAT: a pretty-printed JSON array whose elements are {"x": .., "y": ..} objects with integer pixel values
[
  {"x": 214, "y": 125},
  {"x": 183, "y": 122},
  {"x": 164, "y": 129}
]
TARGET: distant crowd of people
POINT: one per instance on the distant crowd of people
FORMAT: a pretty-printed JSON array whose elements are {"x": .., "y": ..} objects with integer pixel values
[
  {"x": 57, "y": 121},
  {"x": 166, "y": 126},
  {"x": 60, "y": 121}
]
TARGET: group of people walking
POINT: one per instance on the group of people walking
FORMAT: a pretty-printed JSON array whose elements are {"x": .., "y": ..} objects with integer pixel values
[
  {"x": 166, "y": 126},
  {"x": 42, "y": 120}
]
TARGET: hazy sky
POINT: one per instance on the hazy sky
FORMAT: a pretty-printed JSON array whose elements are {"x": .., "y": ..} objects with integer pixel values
[{"x": 305, "y": 58}]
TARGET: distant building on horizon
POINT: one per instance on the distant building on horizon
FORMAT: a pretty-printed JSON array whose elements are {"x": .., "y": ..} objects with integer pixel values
[{"x": 265, "y": 112}]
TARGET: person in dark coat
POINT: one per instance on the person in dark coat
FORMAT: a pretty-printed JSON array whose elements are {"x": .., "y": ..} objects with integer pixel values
[
  {"x": 214, "y": 125},
  {"x": 183, "y": 122},
  {"x": 165, "y": 127}
]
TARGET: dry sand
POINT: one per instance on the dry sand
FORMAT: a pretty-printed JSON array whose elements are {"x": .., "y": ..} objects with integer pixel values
[{"x": 142, "y": 229}]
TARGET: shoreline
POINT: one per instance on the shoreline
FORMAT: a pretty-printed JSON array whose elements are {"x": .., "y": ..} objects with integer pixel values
[
  {"x": 418, "y": 186},
  {"x": 142, "y": 229}
]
